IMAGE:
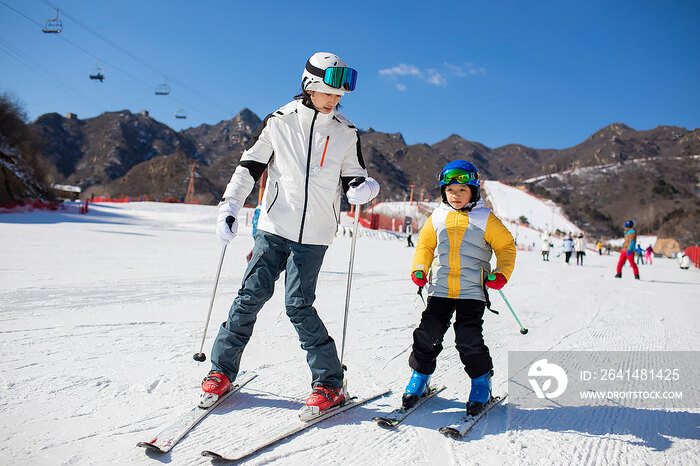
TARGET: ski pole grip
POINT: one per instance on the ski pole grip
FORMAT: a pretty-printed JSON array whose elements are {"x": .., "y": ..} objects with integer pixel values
[
  {"x": 492, "y": 276},
  {"x": 229, "y": 221},
  {"x": 357, "y": 181}
]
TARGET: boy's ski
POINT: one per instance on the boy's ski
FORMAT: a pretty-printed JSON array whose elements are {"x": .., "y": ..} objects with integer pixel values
[
  {"x": 173, "y": 433},
  {"x": 295, "y": 426},
  {"x": 397, "y": 416},
  {"x": 461, "y": 427}
]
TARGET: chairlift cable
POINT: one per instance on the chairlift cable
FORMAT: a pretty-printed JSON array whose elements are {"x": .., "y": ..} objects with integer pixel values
[
  {"x": 136, "y": 58},
  {"x": 116, "y": 68},
  {"x": 24, "y": 59}
]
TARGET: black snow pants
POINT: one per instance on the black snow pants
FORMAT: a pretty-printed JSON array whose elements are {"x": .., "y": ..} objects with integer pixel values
[{"x": 427, "y": 338}]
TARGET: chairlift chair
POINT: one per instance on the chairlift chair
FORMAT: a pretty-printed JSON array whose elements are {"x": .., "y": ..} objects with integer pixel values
[
  {"x": 163, "y": 89},
  {"x": 53, "y": 26},
  {"x": 181, "y": 113},
  {"x": 97, "y": 73}
]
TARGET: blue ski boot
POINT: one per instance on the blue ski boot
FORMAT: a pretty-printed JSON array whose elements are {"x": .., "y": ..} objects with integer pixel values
[
  {"x": 480, "y": 394},
  {"x": 417, "y": 387}
]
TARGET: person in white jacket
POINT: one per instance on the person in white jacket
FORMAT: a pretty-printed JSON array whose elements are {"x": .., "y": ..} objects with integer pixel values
[
  {"x": 311, "y": 152},
  {"x": 580, "y": 248},
  {"x": 546, "y": 245}
]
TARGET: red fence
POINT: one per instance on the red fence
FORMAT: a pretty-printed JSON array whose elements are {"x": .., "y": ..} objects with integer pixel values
[
  {"x": 37, "y": 204},
  {"x": 693, "y": 252},
  {"x": 171, "y": 199},
  {"x": 382, "y": 222}
]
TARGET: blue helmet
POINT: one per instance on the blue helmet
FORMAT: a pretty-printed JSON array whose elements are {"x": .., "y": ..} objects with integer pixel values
[
  {"x": 629, "y": 223},
  {"x": 461, "y": 172}
]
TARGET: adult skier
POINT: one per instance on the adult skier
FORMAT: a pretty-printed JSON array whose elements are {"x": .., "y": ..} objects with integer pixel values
[
  {"x": 460, "y": 235},
  {"x": 311, "y": 151},
  {"x": 568, "y": 247},
  {"x": 649, "y": 252},
  {"x": 580, "y": 248},
  {"x": 627, "y": 252},
  {"x": 546, "y": 245}
]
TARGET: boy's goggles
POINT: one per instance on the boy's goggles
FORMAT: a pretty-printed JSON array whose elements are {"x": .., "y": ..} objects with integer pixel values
[
  {"x": 336, "y": 77},
  {"x": 457, "y": 175}
]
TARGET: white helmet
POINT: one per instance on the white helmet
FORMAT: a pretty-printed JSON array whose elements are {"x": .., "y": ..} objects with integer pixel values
[{"x": 312, "y": 78}]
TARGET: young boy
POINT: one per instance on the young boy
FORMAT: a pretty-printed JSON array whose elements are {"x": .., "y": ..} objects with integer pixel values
[{"x": 460, "y": 235}]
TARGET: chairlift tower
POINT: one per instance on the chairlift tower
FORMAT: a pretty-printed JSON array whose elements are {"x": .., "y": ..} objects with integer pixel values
[{"x": 189, "y": 197}]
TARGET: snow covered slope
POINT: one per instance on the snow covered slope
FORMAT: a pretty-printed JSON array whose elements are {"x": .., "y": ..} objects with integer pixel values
[
  {"x": 101, "y": 314},
  {"x": 511, "y": 203}
]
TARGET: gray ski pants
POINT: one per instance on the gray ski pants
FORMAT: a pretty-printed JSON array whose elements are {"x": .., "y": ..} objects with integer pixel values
[{"x": 302, "y": 263}]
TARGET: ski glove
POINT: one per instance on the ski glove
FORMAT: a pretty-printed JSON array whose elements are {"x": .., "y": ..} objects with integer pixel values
[
  {"x": 418, "y": 278},
  {"x": 363, "y": 192},
  {"x": 496, "y": 281},
  {"x": 226, "y": 222}
]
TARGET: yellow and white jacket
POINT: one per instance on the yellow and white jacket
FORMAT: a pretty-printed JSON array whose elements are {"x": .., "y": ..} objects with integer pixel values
[{"x": 461, "y": 244}]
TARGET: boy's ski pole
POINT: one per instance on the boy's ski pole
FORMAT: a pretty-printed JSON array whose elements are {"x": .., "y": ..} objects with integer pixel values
[{"x": 523, "y": 330}]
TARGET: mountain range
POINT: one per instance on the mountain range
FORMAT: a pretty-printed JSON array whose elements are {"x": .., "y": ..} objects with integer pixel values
[{"x": 616, "y": 174}]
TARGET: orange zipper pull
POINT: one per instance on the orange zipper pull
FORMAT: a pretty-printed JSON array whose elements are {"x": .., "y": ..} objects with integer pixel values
[{"x": 324, "y": 150}]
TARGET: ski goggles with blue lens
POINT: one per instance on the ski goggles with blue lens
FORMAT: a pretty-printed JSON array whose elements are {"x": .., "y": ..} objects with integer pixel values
[
  {"x": 457, "y": 175},
  {"x": 336, "y": 77}
]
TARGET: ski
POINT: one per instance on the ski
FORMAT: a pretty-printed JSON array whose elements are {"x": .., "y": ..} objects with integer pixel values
[
  {"x": 173, "y": 433},
  {"x": 295, "y": 426},
  {"x": 397, "y": 416},
  {"x": 461, "y": 427}
]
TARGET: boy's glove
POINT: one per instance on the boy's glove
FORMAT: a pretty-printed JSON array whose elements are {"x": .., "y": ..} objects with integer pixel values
[
  {"x": 496, "y": 281},
  {"x": 226, "y": 224},
  {"x": 361, "y": 192},
  {"x": 418, "y": 278}
]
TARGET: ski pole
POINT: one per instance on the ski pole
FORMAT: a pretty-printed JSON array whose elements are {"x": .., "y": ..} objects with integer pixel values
[
  {"x": 347, "y": 291},
  {"x": 201, "y": 357},
  {"x": 420, "y": 293},
  {"x": 523, "y": 330}
]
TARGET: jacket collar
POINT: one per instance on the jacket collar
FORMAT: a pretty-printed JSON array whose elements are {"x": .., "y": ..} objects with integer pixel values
[
  {"x": 306, "y": 115},
  {"x": 479, "y": 205}
]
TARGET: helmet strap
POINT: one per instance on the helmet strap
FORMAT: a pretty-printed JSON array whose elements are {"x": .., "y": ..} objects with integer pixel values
[{"x": 314, "y": 70}]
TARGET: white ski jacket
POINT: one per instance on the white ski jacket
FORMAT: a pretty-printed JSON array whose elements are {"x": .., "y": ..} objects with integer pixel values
[{"x": 306, "y": 153}]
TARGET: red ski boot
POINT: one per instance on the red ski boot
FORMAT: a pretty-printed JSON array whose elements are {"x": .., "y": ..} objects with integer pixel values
[
  {"x": 214, "y": 385},
  {"x": 321, "y": 398}
]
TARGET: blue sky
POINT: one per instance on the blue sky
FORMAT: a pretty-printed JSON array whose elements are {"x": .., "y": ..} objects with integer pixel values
[{"x": 546, "y": 74}]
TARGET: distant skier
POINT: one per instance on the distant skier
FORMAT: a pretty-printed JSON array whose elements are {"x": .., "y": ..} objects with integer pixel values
[
  {"x": 310, "y": 151},
  {"x": 460, "y": 235},
  {"x": 568, "y": 247},
  {"x": 627, "y": 252},
  {"x": 580, "y": 248},
  {"x": 649, "y": 252},
  {"x": 684, "y": 261},
  {"x": 409, "y": 234},
  {"x": 546, "y": 245},
  {"x": 599, "y": 246},
  {"x": 640, "y": 254}
]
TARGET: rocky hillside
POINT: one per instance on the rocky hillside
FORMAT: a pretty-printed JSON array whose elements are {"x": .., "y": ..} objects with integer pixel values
[
  {"x": 615, "y": 174},
  {"x": 21, "y": 178}
]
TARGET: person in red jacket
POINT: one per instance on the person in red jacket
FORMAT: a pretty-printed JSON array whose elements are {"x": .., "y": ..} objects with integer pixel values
[{"x": 627, "y": 252}]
